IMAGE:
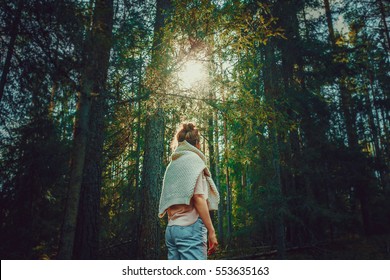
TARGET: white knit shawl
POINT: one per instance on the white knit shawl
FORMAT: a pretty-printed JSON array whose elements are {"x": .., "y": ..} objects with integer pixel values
[{"x": 187, "y": 163}]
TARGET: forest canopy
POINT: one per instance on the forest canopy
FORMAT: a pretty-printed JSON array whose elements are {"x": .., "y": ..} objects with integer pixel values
[{"x": 291, "y": 98}]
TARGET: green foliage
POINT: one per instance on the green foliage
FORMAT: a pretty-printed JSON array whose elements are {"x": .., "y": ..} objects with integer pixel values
[
  {"x": 271, "y": 115},
  {"x": 33, "y": 175}
]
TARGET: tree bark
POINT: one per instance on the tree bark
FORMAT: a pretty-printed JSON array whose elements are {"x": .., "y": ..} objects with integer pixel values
[
  {"x": 380, "y": 153},
  {"x": 271, "y": 94},
  {"x": 11, "y": 47},
  {"x": 221, "y": 233},
  {"x": 229, "y": 228},
  {"x": 76, "y": 173},
  {"x": 138, "y": 189},
  {"x": 385, "y": 27},
  {"x": 86, "y": 164},
  {"x": 86, "y": 244},
  {"x": 329, "y": 21},
  {"x": 152, "y": 174},
  {"x": 348, "y": 110},
  {"x": 214, "y": 167},
  {"x": 346, "y": 100}
]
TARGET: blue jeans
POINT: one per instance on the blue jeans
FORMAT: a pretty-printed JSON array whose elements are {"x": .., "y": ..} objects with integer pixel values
[{"x": 187, "y": 242}]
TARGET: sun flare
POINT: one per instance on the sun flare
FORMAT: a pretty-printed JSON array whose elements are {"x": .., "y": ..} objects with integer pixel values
[{"x": 192, "y": 74}]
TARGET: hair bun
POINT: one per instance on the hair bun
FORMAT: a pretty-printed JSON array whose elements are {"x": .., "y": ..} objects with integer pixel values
[
  {"x": 187, "y": 127},
  {"x": 188, "y": 132}
]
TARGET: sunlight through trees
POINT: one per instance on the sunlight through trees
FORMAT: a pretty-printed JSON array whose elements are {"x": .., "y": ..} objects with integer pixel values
[{"x": 192, "y": 74}]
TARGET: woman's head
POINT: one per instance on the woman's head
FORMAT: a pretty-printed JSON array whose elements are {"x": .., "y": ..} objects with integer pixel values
[{"x": 188, "y": 132}]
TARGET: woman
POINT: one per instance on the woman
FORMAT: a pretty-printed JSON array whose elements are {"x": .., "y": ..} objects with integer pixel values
[{"x": 188, "y": 194}]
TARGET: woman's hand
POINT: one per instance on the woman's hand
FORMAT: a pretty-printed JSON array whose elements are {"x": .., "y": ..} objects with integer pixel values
[{"x": 213, "y": 243}]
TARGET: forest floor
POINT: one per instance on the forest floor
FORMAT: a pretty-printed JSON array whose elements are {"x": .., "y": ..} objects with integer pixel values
[{"x": 372, "y": 248}]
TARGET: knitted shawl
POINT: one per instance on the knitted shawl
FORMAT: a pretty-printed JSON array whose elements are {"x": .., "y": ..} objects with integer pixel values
[{"x": 187, "y": 163}]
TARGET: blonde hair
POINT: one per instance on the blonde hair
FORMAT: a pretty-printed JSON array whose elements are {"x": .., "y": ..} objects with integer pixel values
[{"x": 188, "y": 132}]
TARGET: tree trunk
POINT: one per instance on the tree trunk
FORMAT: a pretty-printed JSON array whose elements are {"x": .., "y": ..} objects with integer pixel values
[
  {"x": 149, "y": 231},
  {"x": 86, "y": 243},
  {"x": 138, "y": 194},
  {"x": 85, "y": 179},
  {"x": 211, "y": 148},
  {"x": 87, "y": 233},
  {"x": 380, "y": 153},
  {"x": 348, "y": 110},
  {"x": 76, "y": 173},
  {"x": 385, "y": 27},
  {"x": 88, "y": 223},
  {"x": 218, "y": 185},
  {"x": 329, "y": 21},
  {"x": 271, "y": 94},
  {"x": 346, "y": 100},
  {"x": 228, "y": 186},
  {"x": 11, "y": 47},
  {"x": 152, "y": 175},
  {"x": 213, "y": 135}
]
